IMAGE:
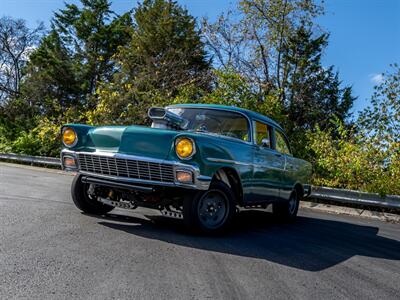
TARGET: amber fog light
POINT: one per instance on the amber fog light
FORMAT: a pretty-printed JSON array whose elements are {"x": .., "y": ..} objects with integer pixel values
[
  {"x": 184, "y": 176},
  {"x": 69, "y": 162},
  {"x": 184, "y": 148},
  {"x": 69, "y": 137}
]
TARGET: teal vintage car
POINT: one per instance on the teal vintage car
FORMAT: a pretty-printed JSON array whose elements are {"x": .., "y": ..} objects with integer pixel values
[{"x": 196, "y": 162}]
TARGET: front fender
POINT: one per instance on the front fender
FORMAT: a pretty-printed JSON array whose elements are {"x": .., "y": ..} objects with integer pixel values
[{"x": 214, "y": 153}]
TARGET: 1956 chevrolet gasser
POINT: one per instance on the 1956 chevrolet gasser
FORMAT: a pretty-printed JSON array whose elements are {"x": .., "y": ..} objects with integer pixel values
[{"x": 196, "y": 162}]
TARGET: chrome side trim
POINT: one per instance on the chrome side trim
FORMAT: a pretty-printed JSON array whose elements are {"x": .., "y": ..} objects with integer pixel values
[
  {"x": 271, "y": 168},
  {"x": 228, "y": 161}
]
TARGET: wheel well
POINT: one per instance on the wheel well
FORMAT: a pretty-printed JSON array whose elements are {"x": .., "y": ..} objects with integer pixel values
[
  {"x": 231, "y": 178},
  {"x": 299, "y": 190}
]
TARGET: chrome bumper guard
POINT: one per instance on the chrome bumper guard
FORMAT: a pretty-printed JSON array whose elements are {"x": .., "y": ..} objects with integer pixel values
[
  {"x": 307, "y": 190},
  {"x": 200, "y": 182}
]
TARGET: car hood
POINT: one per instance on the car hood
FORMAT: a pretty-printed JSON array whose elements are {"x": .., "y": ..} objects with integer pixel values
[{"x": 133, "y": 140}]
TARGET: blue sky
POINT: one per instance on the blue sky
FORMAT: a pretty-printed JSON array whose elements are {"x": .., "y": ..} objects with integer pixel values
[{"x": 364, "y": 34}]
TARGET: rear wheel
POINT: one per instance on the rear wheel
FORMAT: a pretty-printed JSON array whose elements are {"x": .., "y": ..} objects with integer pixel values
[
  {"x": 210, "y": 211},
  {"x": 287, "y": 211},
  {"x": 84, "y": 201}
]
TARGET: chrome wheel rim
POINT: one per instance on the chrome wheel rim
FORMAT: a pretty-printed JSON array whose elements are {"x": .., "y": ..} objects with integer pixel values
[
  {"x": 292, "y": 204},
  {"x": 212, "y": 209}
]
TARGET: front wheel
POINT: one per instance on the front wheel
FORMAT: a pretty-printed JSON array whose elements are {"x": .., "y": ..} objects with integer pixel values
[
  {"x": 287, "y": 211},
  {"x": 84, "y": 201},
  {"x": 210, "y": 211}
]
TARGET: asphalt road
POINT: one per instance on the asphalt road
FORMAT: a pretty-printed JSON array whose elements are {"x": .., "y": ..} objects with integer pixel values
[{"x": 50, "y": 250}]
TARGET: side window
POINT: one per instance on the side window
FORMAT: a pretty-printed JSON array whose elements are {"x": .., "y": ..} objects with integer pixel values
[
  {"x": 281, "y": 143},
  {"x": 262, "y": 134}
]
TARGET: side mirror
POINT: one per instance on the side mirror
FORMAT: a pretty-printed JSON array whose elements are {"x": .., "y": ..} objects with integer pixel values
[{"x": 265, "y": 143}]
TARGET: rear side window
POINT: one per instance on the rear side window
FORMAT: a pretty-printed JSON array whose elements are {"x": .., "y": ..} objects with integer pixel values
[
  {"x": 262, "y": 134},
  {"x": 281, "y": 143}
]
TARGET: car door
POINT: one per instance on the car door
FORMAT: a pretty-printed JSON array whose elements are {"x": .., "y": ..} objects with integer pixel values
[
  {"x": 287, "y": 178},
  {"x": 267, "y": 165}
]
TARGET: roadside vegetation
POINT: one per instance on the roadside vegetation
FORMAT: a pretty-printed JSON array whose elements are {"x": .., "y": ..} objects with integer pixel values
[{"x": 94, "y": 66}]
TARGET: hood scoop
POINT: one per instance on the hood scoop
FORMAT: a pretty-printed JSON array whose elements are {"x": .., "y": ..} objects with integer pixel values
[{"x": 165, "y": 119}]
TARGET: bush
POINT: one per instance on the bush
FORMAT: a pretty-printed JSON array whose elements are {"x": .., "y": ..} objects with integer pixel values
[
  {"x": 350, "y": 161},
  {"x": 5, "y": 146},
  {"x": 43, "y": 140}
]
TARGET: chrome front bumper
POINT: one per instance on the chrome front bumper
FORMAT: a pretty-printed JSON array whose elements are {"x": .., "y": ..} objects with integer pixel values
[
  {"x": 307, "y": 190},
  {"x": 148, "y": 171}
]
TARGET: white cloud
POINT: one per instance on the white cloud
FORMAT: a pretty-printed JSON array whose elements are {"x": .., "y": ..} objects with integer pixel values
[{"x": 376, "y": 78}]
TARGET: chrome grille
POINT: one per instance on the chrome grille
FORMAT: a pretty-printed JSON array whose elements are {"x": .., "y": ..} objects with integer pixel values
[{"x": 128, "y": 168}]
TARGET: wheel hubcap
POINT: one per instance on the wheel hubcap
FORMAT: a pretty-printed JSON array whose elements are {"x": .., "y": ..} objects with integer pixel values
[{"x": 212, "y": 209}]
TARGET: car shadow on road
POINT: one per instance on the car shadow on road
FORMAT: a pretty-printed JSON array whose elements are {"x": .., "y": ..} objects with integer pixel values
[{"x": 309, "y": 243}]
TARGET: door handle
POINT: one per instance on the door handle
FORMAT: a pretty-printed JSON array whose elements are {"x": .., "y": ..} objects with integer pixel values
[{"x": 278, "y": 154}]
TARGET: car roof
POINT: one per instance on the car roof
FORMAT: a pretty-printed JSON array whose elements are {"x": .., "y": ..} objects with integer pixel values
[{"x": 250, "y": 114}]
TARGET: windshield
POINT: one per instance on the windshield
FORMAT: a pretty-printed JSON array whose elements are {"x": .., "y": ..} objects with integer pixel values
[{"x": 215, "y": 121}]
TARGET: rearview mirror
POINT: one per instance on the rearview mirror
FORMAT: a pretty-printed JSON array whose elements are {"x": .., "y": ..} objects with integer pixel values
[{"x": 265, "y": 143}]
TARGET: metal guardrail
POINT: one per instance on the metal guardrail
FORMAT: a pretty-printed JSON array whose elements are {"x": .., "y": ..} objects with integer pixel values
[
  {"x": 339, "y": 196},
  {"x": 355, "y": 197},
  {"x": 50, "y": 161}
]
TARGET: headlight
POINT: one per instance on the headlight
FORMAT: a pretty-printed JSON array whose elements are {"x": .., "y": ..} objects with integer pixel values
[
  {"x": 69, "y": 137},
  {"x": 184, "y": 148}
]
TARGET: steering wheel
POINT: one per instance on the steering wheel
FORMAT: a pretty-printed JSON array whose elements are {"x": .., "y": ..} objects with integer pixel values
[{"x": 203, "y": 126}]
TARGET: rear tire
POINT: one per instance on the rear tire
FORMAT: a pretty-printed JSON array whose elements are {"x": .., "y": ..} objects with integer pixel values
[
  {"x": 287, "y": 211},
  {"x": 82, "y": 200},
  {"x": 211, "y": 211}
]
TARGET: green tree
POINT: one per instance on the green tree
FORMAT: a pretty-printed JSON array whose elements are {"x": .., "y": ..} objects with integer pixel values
[
  {"x": 165, "y": 54},
  {"x": 312, "y": 93},
  {"x": 381, "y": 120},
  {"x": 366, "y": 157},
  {"x": 165, "y": 51},
  {"x": 52, "y": 83},
  {"x": 77, "y": 54}
]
